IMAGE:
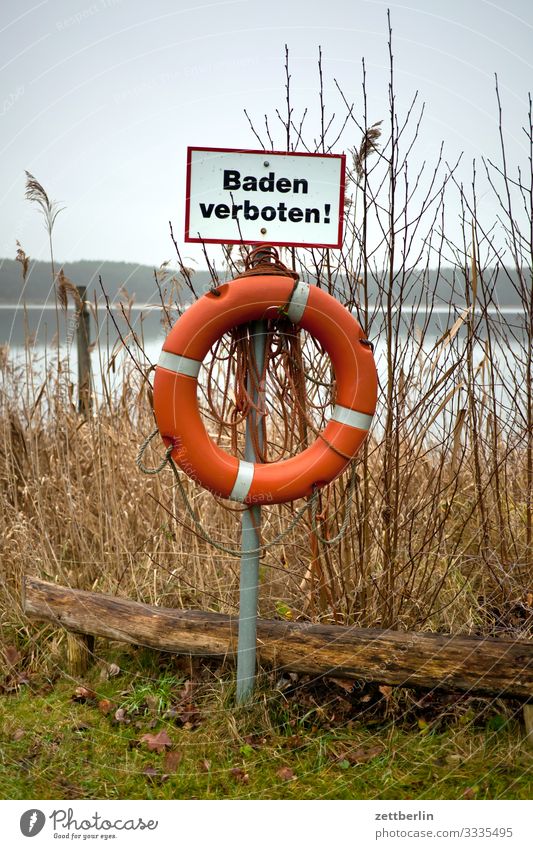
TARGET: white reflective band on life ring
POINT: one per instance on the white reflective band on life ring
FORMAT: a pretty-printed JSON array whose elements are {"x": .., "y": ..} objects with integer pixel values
[
  {"x": 298, "y": 302},
  {"x": 352, "y": 418},
  {"x": 181, "y": 365},
  {"x": 242, "y": 485}
]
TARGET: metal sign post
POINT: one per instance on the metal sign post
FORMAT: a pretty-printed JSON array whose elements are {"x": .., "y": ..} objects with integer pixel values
[{"x": 250, "y": 541}]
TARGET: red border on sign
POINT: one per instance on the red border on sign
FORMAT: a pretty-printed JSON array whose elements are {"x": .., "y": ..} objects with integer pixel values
[{"x": 189, "y": 238}]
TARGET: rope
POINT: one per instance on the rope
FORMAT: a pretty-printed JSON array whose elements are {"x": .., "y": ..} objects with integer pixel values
[
  {"x": 347, "y": 513},
  {"x": 284, "y": 309},
  {"x": 264, "y": 259},
  {"x": 142, "y": 448},
  {"x": 235, "y": 552}
]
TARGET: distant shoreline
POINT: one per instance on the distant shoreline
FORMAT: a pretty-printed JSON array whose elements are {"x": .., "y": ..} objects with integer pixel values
[{"x": 70, "y": 307}]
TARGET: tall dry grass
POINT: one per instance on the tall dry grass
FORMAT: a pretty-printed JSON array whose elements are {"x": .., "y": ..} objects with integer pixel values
[{"x": 76, "y": 509}]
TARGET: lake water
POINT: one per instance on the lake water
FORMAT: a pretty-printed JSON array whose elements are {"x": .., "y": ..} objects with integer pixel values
[{"x": 44, "y": 325}]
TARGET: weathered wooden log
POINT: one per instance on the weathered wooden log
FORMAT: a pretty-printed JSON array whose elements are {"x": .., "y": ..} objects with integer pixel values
[{"x": 473, "y": 664}]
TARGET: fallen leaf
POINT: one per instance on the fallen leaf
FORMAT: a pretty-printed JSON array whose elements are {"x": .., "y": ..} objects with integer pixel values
[
  {"x": 172, "y": 760},
  {"x": 113, "y": 670},
  {"x": 362, "y": 755},
  {"x": 190, "y": 715},
  {"x": 240, "y": 775},
  {"x": 187, "y": 691},
  {"x": 470, "y": 792},
  {"x": 12, "y": 655},
  {"x": 120, "y": 715},
  {"x": 83, "y": 694},
  {"x": 285, "y": 773},
  {"x": 294, "y": 741},
  {"x": 104, "y": 706},
  {"x": 171, "y": 713},
  {"x": 356, "y": 756},
  {"x": 255, "y": 740},
  {"x": 385, "y": 691},
  {"x": 283, "y": 610},
  {"x": 151, "y": 772},
  {"x": 81, "y": 727},
  {"x": 347, "y": 686},
  {"x": 152, "y": 704},
  {"x": 157, "y": 742}
]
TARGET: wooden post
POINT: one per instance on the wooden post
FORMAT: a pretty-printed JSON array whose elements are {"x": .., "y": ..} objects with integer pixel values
[
  {"x": 80, "y": 650},
  {"x": 83, "y": 338},
  {"x": 80, "y": 646},
  {"x": 528, "y": 722}
]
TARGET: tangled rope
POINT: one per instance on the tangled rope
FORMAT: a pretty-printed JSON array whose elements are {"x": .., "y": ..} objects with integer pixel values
[
  {"x": 142, "y": 448},
  {"x": 311, "y": 503},
  {"x": 265, "y": 259}
]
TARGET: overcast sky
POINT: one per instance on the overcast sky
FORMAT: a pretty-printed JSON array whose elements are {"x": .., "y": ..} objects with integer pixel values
[{"x": 99, "y": 100}]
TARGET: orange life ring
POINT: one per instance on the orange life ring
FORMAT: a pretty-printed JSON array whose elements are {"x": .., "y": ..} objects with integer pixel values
[{"x": 175, "y": 389}]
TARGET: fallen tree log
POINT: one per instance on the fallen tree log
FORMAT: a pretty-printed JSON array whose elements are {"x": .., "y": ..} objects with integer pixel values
[{"x": 472, "y": 664}]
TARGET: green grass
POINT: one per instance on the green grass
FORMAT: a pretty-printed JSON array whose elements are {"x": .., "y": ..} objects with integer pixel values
[{"x": 307, "y": 745}]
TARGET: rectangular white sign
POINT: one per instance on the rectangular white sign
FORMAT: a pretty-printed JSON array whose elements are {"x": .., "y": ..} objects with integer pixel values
[{"x": 264, "y": 197}]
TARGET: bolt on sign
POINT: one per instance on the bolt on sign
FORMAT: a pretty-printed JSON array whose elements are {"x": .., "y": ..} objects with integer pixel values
[{"x": 256, "y": 196}]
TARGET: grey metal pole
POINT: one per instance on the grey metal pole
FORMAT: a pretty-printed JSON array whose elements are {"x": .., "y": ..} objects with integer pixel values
[{"x": 251, "y": 519}]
